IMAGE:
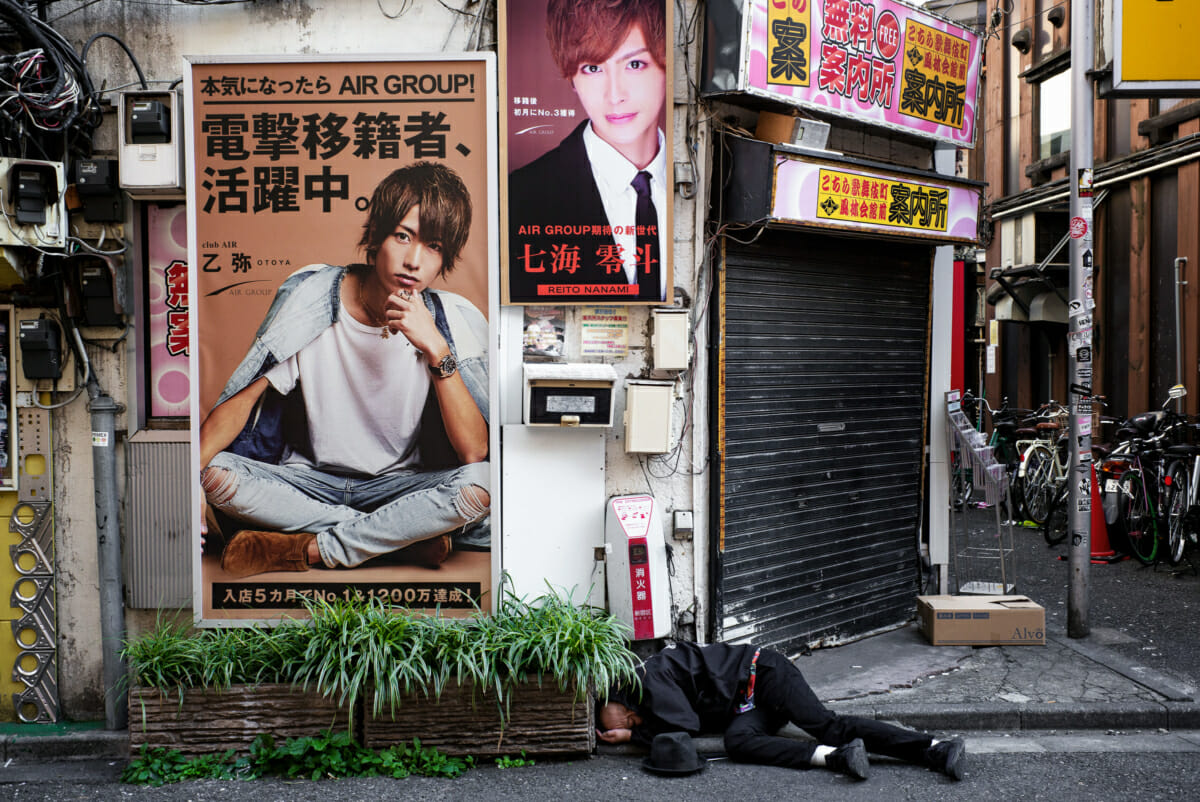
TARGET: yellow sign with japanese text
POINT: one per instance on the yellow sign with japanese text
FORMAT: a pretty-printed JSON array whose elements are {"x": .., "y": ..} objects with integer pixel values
[
  {"x": 881, "y": 201},
  {"x": 934, "y": 82},
  {"x": 788, "y": 42}
]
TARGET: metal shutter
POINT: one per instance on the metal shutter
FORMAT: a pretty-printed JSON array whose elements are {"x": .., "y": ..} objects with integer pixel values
[{"x": 820, "y": 421}]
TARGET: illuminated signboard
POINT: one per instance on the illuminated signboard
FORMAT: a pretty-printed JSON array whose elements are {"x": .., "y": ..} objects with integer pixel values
[
  {"x": 880, "y": 62},
  {"x": 838, "y": 196}
]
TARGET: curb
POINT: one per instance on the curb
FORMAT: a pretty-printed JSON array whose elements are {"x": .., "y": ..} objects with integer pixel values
[
  {"x": 93, "y": 745},
  {"x": 1034, "y": 716}
]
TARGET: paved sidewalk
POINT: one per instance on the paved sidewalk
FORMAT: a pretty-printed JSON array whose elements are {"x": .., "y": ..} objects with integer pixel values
[{"x": 1065, "y": 685}]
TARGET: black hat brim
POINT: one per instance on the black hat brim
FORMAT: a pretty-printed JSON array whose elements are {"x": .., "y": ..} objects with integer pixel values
[{"x": 672, "y": 772}]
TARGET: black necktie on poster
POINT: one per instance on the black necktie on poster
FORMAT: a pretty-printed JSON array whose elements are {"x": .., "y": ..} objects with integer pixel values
[{"x": 646, "y": 220}]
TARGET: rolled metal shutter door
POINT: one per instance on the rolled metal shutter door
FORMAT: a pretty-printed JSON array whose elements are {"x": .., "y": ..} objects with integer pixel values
[{"x": 824, "y": 349}]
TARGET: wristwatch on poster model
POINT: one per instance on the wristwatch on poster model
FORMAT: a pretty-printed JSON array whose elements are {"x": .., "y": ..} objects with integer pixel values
[{"x": 445, "y": 368}]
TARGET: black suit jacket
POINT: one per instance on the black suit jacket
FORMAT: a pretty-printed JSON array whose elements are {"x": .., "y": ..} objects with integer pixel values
[
  {"x": 557, "y": 191},
  {"x": 688, "y": 687}
]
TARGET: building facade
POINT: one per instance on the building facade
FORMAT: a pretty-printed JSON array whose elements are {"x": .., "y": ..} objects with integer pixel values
[
  {"x": 1147, "y": 168},
  {"x": 798, "y": 458}
]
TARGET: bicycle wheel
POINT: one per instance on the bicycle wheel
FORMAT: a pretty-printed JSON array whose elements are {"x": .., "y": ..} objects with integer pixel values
[
  {"x": 1057, "y": 517},
  {"x": 1016, "y": 495},
  {"x": 1037, "y": 486},
  {"x": 1137, "y": 514},
  {"x": 1176, "y": 505}
]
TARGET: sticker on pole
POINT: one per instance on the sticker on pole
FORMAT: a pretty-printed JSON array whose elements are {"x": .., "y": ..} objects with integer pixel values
[
  {"x": 99, "y": 439},
  {"x": 1079, "y": 227}
]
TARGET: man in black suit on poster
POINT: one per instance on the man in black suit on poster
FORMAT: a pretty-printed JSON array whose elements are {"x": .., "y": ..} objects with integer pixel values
[{"x": 587, "y": 219}]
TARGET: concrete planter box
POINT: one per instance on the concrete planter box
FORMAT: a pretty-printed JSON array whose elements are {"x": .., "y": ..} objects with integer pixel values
[
  {"x": 207, "y": 721},
  {"x": 541, "y": 720}
]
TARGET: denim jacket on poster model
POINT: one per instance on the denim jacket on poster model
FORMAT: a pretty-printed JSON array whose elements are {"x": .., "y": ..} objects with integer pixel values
[{"x": 305, "y": 305}]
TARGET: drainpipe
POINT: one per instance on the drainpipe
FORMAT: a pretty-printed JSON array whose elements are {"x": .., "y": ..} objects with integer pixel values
[
  {"x": 108, "y": 537},
  {"x": 1180, "y": 264}
]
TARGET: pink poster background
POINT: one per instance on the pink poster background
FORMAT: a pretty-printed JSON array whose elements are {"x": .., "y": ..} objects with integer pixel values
[
  {"x": 169, "y": 383},
  {"x": 797, "y": 182},
  {"x": 851, "y": 106},
  {"x": 536, "y": 88}
]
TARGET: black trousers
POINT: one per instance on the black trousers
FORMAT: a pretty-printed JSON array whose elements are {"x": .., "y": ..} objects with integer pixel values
[{"x": 781, "y": 695}]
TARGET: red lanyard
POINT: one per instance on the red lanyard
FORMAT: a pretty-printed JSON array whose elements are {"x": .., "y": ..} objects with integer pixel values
[{"x": 749, "y": 704}]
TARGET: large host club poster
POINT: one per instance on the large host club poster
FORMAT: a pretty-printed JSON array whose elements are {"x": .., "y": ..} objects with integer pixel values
[
  {"x": 579, "y": 126},
  {"x": 284, "y": 158}
]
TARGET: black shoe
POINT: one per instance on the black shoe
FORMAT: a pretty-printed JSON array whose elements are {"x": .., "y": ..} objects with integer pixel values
[
  {"x": 850, "y": 759},
  {"x": 948, "y": 757}
]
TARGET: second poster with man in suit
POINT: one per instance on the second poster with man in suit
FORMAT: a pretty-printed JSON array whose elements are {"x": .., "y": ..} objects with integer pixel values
[{"x": 588, "y": 150}]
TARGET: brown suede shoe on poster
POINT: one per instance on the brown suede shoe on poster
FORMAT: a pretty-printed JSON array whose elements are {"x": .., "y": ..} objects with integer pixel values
[
  {"x": 430, "y": 553},
  {"x": 252, "y": 552}
]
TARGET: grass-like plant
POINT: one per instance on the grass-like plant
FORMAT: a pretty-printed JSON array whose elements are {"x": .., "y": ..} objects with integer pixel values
[
  {"x": 325, "y": 755},
  {"x": 349, "y": 646}
]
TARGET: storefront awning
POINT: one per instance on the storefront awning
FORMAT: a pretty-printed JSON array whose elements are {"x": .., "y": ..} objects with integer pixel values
[{"x": 1025, "y": 295}]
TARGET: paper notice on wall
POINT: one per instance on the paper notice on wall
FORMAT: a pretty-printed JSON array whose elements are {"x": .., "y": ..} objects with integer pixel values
[
  {"x": 991, "y": 358},
  {"x": 604, "y": 331}
]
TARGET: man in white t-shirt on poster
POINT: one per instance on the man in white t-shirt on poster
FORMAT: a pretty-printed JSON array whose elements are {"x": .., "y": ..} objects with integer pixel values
[{"x": 357, "y": 424}]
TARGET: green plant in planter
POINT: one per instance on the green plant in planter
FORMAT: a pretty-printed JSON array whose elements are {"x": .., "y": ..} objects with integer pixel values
[{"x": 349, "y": 646}]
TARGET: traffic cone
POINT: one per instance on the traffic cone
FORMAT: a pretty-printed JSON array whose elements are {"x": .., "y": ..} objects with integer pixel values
[{"x": 1102, "y": 551}]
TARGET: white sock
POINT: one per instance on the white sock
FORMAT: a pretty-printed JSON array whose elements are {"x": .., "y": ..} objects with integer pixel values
[{"x": 819, "y": 755}]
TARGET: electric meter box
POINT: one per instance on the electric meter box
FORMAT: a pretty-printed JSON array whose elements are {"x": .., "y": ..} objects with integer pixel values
[
  {"x": 150, "y": 131},
  {"x": 638, "y": 590},
  {"x": 648, "y": 416},
  {"x": 561, "y": 394},
  {"x": 34, "y": 201}
]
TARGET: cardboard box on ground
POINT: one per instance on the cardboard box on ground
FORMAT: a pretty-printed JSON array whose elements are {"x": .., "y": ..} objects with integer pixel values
[{"x": 981, "y": 620}]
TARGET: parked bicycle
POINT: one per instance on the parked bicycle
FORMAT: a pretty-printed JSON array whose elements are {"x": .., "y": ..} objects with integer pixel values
[
  {"x": 1181, "y": 490},
  {"x": 1054, "y": 530},
  {"x": 1135, "y": 472},
  {"x": 1044, "y": 462}
]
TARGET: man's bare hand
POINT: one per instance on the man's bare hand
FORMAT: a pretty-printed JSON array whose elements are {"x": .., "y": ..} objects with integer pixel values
[
  {"x": 617, "y": 736},
  {"x": 408, "y": 315}
]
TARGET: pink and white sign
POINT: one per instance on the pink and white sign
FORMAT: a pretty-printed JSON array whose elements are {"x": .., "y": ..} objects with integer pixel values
[
  {"x": 834, "y": 195},
  {"x": 877, "y": 61},
  {"x": 169, "y": 381}
]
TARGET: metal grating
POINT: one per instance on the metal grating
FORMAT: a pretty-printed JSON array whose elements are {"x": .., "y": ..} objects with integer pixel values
[
  {"x": 36, "y": 631},
  {"x": 824, "y": 357},
  {"x": 158, "y": 547}
]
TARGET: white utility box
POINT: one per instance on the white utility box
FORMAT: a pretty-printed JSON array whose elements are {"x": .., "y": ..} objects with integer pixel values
[
  {"x": 648, "y": 416},
  {"x": 670, "y": 339},
  {"x": 150, "y": 131}
]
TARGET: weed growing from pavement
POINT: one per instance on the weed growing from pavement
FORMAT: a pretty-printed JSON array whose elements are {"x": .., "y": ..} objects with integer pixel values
[
  {"x": 329, "y": 755},
  {"x": 510, "y": 762}
]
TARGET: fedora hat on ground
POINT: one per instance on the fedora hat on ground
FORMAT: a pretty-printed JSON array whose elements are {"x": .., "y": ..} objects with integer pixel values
[{"x": 673, "y": 753}]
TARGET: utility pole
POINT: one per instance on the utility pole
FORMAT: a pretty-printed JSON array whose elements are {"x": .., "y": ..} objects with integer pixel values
[{"x": 1079, "y": 330}]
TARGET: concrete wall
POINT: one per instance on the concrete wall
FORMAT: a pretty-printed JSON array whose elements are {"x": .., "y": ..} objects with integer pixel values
[{"x": 160, "y": 36}]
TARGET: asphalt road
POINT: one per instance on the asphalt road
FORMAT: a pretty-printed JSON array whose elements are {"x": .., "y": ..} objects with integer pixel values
[{"x": 1058, "y": 768}]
